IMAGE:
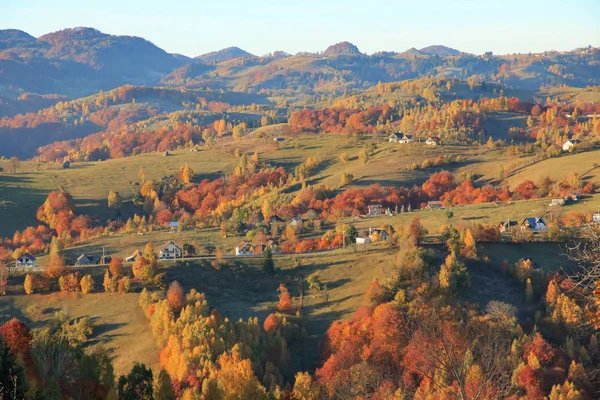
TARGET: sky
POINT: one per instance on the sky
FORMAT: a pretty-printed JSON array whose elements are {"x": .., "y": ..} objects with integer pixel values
[{"x": 194, "y": 27}]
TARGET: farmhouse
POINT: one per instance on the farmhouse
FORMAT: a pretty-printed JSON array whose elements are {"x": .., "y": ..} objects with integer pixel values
[
  {"x": 435, "y": 205},
  {"x": 134, "y": 256},
  {"x": 535, "y": 224},
  {"x": 297, "y": 221},
  {"x": 375, "y": 209},
  {"x": 25, "y": 260},
  {"x": 506, "y": 225},
  {"x": 432, "y": 141},
  {"x": 169, "y": 250},
  {"x": 377, "y": 235},
  {"x": 244, "y": 249},
  {"x": 406, "y": 139},
  {"x": 394, "y": 137},
  {"x": 83, "y": 260},
  {"x": 174, "y": 226},
  {"x": 66, "y": 164},
  {"x": 569, "y": 144}
]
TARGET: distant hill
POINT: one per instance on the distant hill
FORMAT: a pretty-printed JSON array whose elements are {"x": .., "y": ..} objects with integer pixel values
[
  {"x": 343, "y": 48},
  {"x": 79, "y": 61},
  {"x": 191, "y": 71},
  {"x": 439, "y": 50},
  {"x": 223, "y": 55}
]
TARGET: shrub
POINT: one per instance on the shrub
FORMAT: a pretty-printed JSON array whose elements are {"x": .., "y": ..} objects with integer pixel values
[
  {"x": 87, "y": 284},
  {"x": 30, "y": 284},
  {"x": 314, "y": 282},
  {"x": 110, "y": 284},
  {"x": 69, "y": 282},
  {"x": 116, "y": 263},
  {"x": 124, "y": 285}
]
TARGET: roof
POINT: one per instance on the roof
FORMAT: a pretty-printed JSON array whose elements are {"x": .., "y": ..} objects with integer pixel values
[
  {"x": 28, "y": 256},
  {"x": 136, "y": 253},
  {"x": 573, "y": 141},
  {"x": 173, "y": 224},
  {"x": 407, "y": 137},
  {"x": 167, "y": 244},
  {"x": 81, "y": 257},
  {"x": 374, "y": 205},
  {"x": 397, "y": 134},
  {"x": 533, "y": 220},
  {"x": 433, "y": 138},
  {"x": 244, "y": 244}
]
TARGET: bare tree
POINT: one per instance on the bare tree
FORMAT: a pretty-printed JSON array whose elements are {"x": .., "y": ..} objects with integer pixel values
[
  {"x": 14, "y": 162},
  {"x": 584, "y": 250}
]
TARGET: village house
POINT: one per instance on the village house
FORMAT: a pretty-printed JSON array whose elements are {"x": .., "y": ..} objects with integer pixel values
[
  {"x": 557, "y": 202},
  {"x": 134, "y": 256},
  {"x": 394, "y": 137},
  {"x": 174, "y": 226},
  {"x": 432, "y": 141},
  {"x": 435, "y": 205},
  {"x": 296, "y": 221},
  {"x": 378, "y": 235},
  {"x": 66, "y": 164},
  {"x": 596, "y": 217},
  {"x": 569, "y": 144},
  {"x": 506, "y": 225},
  {"x": 244, "y": 249},
  {"x": 374, "y": 209},
  {"x": 406, "y": 139},
  {"x": 572, "y": 198},
  {"x": 169, "y": 251},
  {"x": 535, "y": 224},
  {"x": 25, "y": 260},
  {"x": 83, "y": 260}
]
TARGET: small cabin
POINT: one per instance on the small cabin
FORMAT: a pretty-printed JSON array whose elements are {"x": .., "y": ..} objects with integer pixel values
[
  {"x": 169, "y": 250},
  {"x": 505, "y": 226},
  {"x": 174, "y": 226},
  {"x": 278, "y": 139},
  {"x": 557, "y": 202},
  {"x": 596, "y": 217},
  {"x": 25, "y": 260},
  {"x": 363, "y": 238},
  {"x": 378, "y": 235},
  {"x": 66, "y": 164},
  {"x": 244, "y": 249}
]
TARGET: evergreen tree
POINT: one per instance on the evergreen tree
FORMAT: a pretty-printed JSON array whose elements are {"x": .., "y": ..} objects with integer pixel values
[
  {"x": 268, "y": 264},
  {"x": 137, "y": 385},
  {"x": 13, "y": 383}
]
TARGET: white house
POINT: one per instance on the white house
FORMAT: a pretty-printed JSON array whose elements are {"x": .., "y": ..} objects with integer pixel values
[
  {"x": 26, "y": 260},
  {"x": 394, "y": 137},
  {"x": 596, "y": 217},
  {"x": 535, "y": 224},
  {"x": 244, "y": 249},
  {"x": 296, "y": 222},
  {"x": 435, "y": 205},
  {"x": 169, "y": 251},
  {"x": 569, "y": 144},
  {"x": 406, "y": 139},
  {"x": 432, "y": 141}
]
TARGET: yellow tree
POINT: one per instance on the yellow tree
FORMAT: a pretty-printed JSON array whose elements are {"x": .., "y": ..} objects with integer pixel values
[{"x": 186, "y": 174}]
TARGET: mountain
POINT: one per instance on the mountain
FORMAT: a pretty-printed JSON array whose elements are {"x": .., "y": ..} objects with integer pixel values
[
  {"x": 439, "y": 50},
  {"x": 79, "y": 61},
  {"x": 223, "y": 55},
  {"x": 342, "y": 49}
]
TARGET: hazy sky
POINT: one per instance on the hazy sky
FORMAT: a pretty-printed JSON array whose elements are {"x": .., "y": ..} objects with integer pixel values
[{"x": 194, "y": 27}]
